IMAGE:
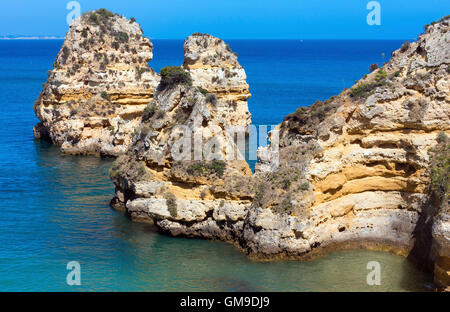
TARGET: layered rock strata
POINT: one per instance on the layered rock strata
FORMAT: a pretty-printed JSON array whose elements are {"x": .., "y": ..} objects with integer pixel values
[
  {"x": 99, "y": 86},
  {"x": 354, "y": 171},
  {"x": 367, "y": 157},
  {"x": 184, "y": 172},
  {"x": 101, "y": 83},
  {"x": 214, "y": 67}
]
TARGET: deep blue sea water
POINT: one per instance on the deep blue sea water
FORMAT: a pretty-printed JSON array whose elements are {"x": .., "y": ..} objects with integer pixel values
[{"x": 54, "y": 209}]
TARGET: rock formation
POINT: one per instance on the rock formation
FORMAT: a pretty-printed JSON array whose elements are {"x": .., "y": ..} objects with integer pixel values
[
  {"x": 99, "y": 86},
  {"x": 101, "y": 83},
  {"x": 367, "y": 156},
  {"x": 357, "y": 170},
  {"x": 184, "y": 166},
  {"x": 215, "y": 68}
]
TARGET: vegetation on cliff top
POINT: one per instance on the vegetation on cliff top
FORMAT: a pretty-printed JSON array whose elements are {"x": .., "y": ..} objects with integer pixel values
[
  {"x": 99, "y": 17},
  {"x": 364, "y": 90},
  {"x": 204, "y": 168},
  {"x": 127, "y": 167},
  {"x": 438, "y": 21},
  {"x": 306, "y": 119},
  {"x": 104, "y": 19},
  {"x": 174, "y": 75}
]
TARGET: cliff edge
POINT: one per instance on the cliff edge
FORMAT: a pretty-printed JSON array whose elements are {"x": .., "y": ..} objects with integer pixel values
[{"x": 367, "y": 168}]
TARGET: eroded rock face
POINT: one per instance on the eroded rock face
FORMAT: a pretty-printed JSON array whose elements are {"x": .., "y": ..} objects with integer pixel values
[
  {"x": 184, "y": 171},
  {"x": 366, "y": 157},
  {"x": 215, "y": 68},
  {"x": 353, "y": 171},
  {"x": 441, "y": 250},
  {"x": 99, "y": 86},
  {"x": 101, "y": 83}
]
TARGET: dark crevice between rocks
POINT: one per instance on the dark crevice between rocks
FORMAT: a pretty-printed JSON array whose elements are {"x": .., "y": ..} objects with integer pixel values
[
  {"x": 42, "y": 133},
  {"x": 421, "y": 253}
]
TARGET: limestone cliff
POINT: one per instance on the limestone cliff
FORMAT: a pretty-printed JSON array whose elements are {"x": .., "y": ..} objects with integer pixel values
[
  {"x": 101, "y": 83},
  {"x": 184, "y": 166},
  {"x": 99, "y": 86},
  {"x": 357, "y": 170},
  {"x": 365, "y": 156},
  {"x": 215, "y": 68}
]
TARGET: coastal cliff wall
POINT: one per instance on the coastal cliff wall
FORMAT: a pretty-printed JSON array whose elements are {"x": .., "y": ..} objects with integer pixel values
[
  {"x": 358, "y": 170},
  {"x": 367, "y": 162}
]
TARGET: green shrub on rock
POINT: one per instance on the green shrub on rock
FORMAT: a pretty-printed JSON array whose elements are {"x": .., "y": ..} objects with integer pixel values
[
  {"x": 128, "y": 168},
  {"x": 440, "y": 169},
  {"x": 304, "y": 186},
  {"x": 121, "y": 37},
  {"x": 442, "y": 137},
  {"x": 149, "y": 111},
  {"x": 203, "y": 91},
  {"x": 105, "y": 96},
  {"x": 174, "y": 75},
  {"x": 65, "y": 53},
  {"x": 211, "y": 98},
  {"x": 171, "y": 202},
  {"x": 100, "y": 18},
  {"x": 364, "y": 90},
  {"x": 204, "y": 168},
  {"x": 104, "y": 13}
]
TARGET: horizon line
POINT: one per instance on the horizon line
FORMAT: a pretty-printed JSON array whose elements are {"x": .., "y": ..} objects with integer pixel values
[{"x": 272, "y": 39}]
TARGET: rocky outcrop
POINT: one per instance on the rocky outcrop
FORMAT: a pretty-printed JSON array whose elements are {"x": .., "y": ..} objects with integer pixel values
[
  {"x": 99, "y": 86},
  {"x": 441, "y": 249},
  {"x": 358, "y": 170},
  {"x": 184, "y": 171},
  {"x": 366, "y": 157},
  {"x": 215, "y": 68},
  {"x": 101, "y": 83}
]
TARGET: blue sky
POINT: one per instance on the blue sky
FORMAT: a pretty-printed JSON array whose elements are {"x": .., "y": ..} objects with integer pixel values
[{"x": 235, "y": 19}]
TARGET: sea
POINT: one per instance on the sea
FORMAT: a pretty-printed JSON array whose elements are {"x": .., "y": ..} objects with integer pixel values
[{"x": 54, "y": 209}]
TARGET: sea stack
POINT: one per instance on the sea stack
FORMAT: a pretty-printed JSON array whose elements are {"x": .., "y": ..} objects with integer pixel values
[
  {"x": 99, "y": 86},
  {"x": 214, "y": 67},
  {"x": 184, "y": 171},
  {"x": 101, "y": 83},
  {"x": 367, "y": 168}
]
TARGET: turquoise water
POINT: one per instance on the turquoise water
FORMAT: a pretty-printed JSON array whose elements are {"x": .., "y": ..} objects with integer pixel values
[{"x": 54, "y": 209}]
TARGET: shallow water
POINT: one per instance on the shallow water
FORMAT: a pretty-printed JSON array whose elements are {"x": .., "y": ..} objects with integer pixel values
[{"x": 55, "y": 208}]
